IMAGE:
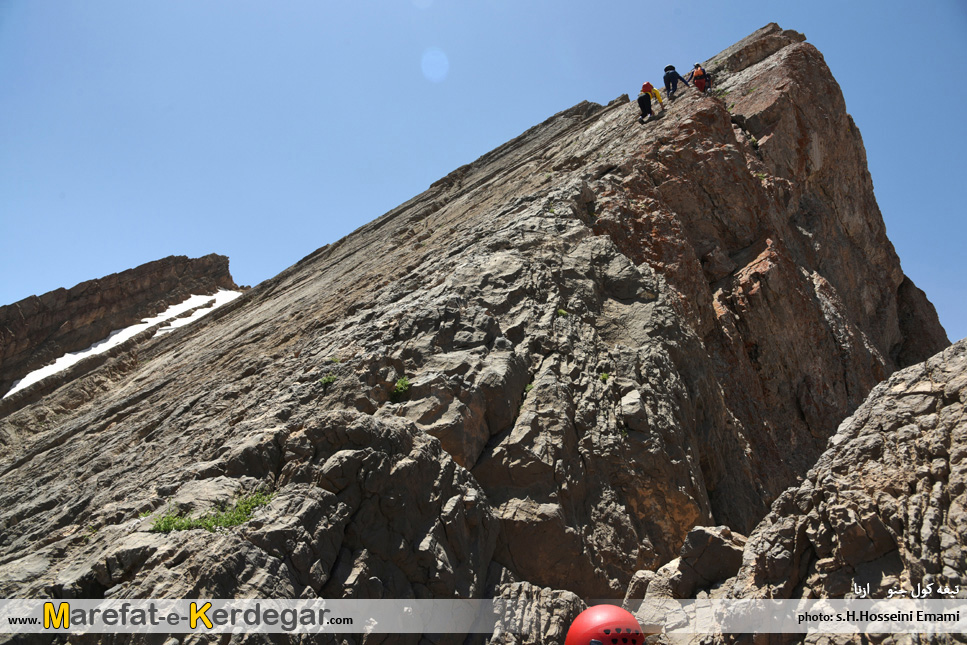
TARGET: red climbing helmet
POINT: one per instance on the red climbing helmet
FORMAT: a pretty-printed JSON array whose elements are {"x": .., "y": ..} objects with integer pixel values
[{"x": 605, "y": 625}]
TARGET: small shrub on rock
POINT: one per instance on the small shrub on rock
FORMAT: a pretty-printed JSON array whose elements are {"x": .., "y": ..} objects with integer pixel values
[
  {"x": 400, "y": 391},
  {"x": 239, "y": 513}
]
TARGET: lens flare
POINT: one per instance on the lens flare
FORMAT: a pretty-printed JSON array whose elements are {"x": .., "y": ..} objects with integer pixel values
[{"x": 435, "y": 65}]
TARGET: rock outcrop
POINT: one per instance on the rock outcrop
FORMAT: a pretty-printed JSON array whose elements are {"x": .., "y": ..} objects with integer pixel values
[
  {"x": 709, "y": 557},
  {"x": 754, "y": 209},
  {"x": 535, "y": 379},
  {"x": 885, "y": 505},
  {"x": 39, "y": 329}
]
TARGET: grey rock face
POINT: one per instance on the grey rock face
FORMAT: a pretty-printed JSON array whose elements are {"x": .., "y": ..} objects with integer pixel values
[
  {"x": 884, "y": 505},
  {"x": 534, "y": 380},
  {"x": 709, "y": 557}
]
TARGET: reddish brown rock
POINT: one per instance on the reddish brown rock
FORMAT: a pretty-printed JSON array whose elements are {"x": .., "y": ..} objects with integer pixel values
[{"x": 753, "y": 204}]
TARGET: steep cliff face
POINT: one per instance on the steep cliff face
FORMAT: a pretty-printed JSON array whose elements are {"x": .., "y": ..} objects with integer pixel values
[
  {"x": 885, "y": 506},
  {"x": 536, "y": 377},
  {"x": 758, "y": 210},
  {"x": 39, "y": 329}
]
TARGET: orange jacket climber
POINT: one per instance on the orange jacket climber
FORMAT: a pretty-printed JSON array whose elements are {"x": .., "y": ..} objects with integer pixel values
[{"x": 699, "y": 78}]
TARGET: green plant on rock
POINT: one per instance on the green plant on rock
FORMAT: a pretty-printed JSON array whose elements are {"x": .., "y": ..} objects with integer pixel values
[
  {"x": 237, "y": 514},
  {"x": 327, "y": 380},
  {"x": 604, "y": 377},
  {"x": 562, "y": 313},
  {"x": 528, "y": 387},
  {"x": 400, "y": 390}
]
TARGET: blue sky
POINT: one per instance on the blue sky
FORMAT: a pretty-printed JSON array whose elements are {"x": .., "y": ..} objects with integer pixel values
[{"x": 130, "y": 131}]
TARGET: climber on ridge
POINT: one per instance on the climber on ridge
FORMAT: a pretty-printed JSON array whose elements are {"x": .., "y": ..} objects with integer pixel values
[
  {"x": 648, "y": 91},
  {"x": 671, "y": 79},
  {"x": 700, "y": 78}
]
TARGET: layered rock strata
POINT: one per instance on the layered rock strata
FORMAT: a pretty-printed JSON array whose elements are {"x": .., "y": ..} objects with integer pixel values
[
  {"x": 535, "y": 378},
  {"x": 37, "y": 330}
]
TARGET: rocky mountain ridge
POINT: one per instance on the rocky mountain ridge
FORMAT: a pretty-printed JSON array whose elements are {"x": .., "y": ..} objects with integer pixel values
[
  {"x": 39, "y": 329},
  {"x": 535, "y": 379}
]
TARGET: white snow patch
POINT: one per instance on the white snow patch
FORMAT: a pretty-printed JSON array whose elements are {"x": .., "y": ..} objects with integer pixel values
[
  {"x": 117, "y": 337},
  {"x": 221, "y": 298}
]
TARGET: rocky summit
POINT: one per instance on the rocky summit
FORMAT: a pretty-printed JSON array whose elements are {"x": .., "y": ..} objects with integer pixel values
[{"x": 583, "y": 366}]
